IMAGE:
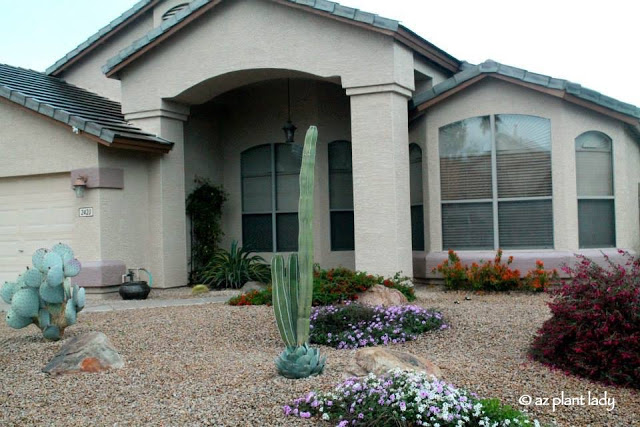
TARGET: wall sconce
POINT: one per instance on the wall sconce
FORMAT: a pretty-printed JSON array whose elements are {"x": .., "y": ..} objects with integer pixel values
[{"x": 79, "y": 186}]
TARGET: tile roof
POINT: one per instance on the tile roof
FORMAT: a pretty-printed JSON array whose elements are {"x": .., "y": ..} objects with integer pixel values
[
  {"x": 491, "y": 67},
  {"x": 88, "y": 112},
  {"x": 97, "y": 36},
  {"x": 321, "y": 5}
]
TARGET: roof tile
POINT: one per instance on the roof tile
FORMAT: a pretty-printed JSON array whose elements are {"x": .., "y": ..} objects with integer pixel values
[
  {"x": 489, "y": 67},
  {"x": 55, "y": 98}
]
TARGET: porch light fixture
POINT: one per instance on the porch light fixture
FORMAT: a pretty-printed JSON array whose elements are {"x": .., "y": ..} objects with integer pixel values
[
  {"x": 289, "y": 129},
  {"x": 79, "y": 185}
]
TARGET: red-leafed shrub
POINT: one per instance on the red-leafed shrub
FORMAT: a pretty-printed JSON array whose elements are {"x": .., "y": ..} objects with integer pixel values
[{"x": 595, "y": 328}]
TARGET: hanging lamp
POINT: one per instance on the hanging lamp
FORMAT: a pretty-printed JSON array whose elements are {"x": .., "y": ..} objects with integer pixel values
[{"x": 289, "y": 129}]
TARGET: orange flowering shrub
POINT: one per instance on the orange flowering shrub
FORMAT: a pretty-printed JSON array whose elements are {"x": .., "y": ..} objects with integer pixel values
[{"x": 493, "y": 275}]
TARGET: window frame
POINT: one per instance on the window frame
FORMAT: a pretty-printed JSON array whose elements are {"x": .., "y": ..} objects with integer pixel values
[
  {"x": 421, "y": 204},
  {"x": 332, "y": 210},
  {"x": 612, "y": 197},
  {"x": 495, "y": 200},
  {"x": 274, "y": 211}
]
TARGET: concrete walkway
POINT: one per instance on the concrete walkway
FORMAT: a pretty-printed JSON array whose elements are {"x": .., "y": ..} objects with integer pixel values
[{"x": 100, "y": 306}]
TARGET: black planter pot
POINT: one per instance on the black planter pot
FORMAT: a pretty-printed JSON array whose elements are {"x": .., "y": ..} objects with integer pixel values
[{"x": 134, "y": 290}]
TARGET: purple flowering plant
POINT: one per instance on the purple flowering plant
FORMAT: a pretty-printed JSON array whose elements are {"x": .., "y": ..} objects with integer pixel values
[
  {"x": 403, "y": 398},
  {"x": 353, "y": 325}
]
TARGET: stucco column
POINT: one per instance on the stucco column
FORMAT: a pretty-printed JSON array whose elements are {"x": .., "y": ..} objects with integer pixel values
[
  {"x": 166, "y": 241},
  {"x": 380, "y": 152}
]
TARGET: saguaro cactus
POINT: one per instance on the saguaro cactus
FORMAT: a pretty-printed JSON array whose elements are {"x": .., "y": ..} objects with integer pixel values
[
  {"x": 293, "y": 285},
  {"x": 43, "y": 295}
]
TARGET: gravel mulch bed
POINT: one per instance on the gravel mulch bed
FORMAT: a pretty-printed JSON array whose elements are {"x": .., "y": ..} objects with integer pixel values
[
  {"x": 184, "y": 292},
  {"x": 213, "y": 365}
]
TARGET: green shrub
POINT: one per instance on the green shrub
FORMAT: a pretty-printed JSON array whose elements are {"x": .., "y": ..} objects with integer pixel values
[
  {"x": 204, "y": 208},
  {"x": 335, "y": 286},
  {"x": 199, "y": 289},
  {"x": 497, "y": 412},
  {"x": 493, "y": 275},
  {"x": 234, "y": 268}
]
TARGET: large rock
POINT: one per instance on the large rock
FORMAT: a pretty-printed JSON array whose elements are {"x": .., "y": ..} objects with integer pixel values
[
  {"x": 381, "y": 295},
  {"x": 253, "y": 286},
  {"x": 379, "y": 361},
  {"x": 90, "y": 352}
]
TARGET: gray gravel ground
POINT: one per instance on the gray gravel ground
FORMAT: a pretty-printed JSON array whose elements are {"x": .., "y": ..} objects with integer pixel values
[{"x": 213, "y": 365}]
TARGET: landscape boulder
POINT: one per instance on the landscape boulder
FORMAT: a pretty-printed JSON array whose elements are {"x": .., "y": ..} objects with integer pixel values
[
  {"x": 379, "y": 361},
  {"x": 253, "y": 286},
  {"x": 381, "y": 295},
  {"x": 90, "y": 352}
]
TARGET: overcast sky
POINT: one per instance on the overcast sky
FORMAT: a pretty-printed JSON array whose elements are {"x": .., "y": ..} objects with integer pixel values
[{"x": 594, "y": 43}]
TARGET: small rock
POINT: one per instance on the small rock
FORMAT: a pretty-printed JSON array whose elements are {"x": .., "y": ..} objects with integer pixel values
[
  {"x": 456, "y": 302},
  {"x": 90, "y": 352},
  {"x": 467, "y": 298},
  {"x": 381, "y": 295},
  {"x": 379, "y": 361},
  {"x": 253, "y": 286}
]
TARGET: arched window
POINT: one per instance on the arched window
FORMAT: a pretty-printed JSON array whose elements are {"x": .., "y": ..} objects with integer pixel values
[
  {"x": 341, "y": 196},
  {"x": 594, "y": 171},
  {"x": 495, "y": 177},
  {"x": 415, "y": 185},
  {"x": 270, "y": 192}
]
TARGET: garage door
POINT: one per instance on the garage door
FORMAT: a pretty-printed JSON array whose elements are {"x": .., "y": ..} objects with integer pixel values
[{"x": 35, "y": 212}]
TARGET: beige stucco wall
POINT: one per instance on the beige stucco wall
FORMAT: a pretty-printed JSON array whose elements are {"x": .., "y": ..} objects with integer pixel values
[
  {"x": 252, "y": 35},
  {"x": 87, "y": 72},
  {"x": 253, "y": 116},
  {"x": 32, "y": 145},
  {"x": 567, "y": 122},
  {"x": 124, "y": 219}
]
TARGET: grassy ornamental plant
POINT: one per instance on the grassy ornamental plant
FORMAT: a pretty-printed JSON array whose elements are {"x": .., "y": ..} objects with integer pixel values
[
  {"x": 293, "y": 285},
  {"x": 43, "y": 295},
  {"x": 234, "y": 268}
]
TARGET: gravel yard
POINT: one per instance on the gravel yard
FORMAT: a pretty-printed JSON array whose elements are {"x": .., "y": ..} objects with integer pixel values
[{"x": 213, "y": 364}]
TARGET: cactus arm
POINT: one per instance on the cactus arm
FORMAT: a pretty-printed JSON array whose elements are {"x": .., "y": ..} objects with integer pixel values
[
  {"x": 305, "y": 234},
  {"x": 282, "y": 302},
  {"x": 294, "y": 290}
]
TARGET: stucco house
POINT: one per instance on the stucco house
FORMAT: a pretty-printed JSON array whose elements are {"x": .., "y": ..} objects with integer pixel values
[{"x": 418, "y": 151}]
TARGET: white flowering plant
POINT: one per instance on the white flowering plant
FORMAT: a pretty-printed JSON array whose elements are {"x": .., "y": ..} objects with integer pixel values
[
  {"x": 353, "y": 325},
  {"x": 404, "y": 398}
]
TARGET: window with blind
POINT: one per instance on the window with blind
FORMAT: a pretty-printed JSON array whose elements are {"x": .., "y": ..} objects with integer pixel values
[
  {"x": 415, "y": 186},
  {"x": 270, "y": 192},
  {"x": 495, "y": 175},
  {"x": 594, "y": 173},
  {"x": 341, "y": 196}
]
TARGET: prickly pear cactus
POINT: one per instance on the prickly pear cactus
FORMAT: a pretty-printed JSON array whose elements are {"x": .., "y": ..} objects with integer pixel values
[
  {"x": 293, "y": 284},
  {"x": 43, "y": 294}
]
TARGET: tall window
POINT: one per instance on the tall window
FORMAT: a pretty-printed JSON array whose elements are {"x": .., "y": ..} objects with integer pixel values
[
  {"x": 270, "y": 191},
  {"x": 596, "y": 213},
  {"x": 415, "y": 185},
  {"x": 341, "y": 196},
  {"x": 495, "y": 174}
]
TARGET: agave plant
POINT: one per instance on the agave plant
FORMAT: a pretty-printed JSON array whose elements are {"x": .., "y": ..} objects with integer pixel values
[
  {"x": 293, "y": 285},
  {"x": 234, "y": 268}
]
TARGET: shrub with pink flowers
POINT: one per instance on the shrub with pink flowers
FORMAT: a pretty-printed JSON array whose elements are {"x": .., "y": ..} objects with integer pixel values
[
  {"x": 354, "y": 325},
  {"x": 404, "y": 398},
  {"x": 595, "y": 328}
]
